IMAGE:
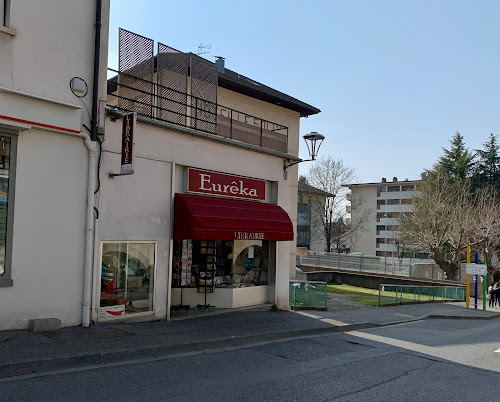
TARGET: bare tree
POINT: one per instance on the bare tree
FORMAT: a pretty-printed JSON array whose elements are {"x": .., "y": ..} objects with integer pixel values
[
  {"x": 329, "y": 218},
  {"x": 444, "y": 221},
  {"x": 488, "y": 214}
]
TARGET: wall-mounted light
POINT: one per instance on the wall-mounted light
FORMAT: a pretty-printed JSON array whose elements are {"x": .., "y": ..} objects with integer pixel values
[
  {"x": 78, "y": 86},
  {"x": 313, "y": 141}
]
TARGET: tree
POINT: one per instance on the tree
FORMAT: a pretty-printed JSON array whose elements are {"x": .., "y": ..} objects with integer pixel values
[
  {"x": 457, "y": 163},
  {"x": 329, "y": 218},
  {"x": 442, "y": 222},
  {"x": 487, "y": 168},
  {"x": 445, "y": 220},
  {"x": 488, "y": 214}
]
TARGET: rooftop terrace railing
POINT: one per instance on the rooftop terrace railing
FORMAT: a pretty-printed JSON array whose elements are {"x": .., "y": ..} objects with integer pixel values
[{"x": 127, "y": 92}]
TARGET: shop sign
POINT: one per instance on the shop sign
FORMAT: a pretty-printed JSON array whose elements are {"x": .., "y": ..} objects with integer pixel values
[
  {"x": 206, "y": 182},
  {"x": 249, "y": 236},
  {"x": 128, "y": 131}
]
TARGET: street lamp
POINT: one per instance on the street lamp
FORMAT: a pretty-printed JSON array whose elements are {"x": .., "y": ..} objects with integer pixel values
[
  {"x": 315, "y": 139},
  {"x": 484, "y": 232}
]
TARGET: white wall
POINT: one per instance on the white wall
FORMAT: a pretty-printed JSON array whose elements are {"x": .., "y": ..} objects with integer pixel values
[
  {"x": 49, "y": 230},
  {"x": 364, "y": 241},
  {"x": 54, "y": 42},
  {"x": 149, "y": 191}
]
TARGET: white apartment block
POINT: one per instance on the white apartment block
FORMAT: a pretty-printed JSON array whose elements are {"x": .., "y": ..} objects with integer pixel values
[{"x": 383, "y": 203}]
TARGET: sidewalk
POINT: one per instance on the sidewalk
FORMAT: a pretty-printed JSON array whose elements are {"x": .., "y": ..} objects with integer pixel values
[{"x": 23, "y": 352}]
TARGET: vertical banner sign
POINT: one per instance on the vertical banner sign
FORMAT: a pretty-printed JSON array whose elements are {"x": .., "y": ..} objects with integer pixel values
[{"x": 128, "y": 132}]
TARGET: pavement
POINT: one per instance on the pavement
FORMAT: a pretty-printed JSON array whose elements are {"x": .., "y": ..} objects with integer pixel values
[{"x": 23, "y": 352}]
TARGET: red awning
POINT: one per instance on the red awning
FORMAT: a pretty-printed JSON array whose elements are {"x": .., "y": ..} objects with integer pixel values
[{"x": 209, "y": 218}]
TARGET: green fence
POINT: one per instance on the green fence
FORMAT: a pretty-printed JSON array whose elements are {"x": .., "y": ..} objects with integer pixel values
[
  {"x": 305, "y": 294},
  {"x": 407, "y": 294}
]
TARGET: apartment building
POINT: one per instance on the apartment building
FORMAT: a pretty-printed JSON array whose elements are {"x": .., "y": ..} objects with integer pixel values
[
  {"x": 311, "y": 206},
  {"x": 383, "y": 203}
]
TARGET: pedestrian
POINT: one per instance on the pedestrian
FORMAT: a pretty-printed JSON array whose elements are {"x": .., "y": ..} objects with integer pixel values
[
  {"x": 491, "y": 292},
  {"x": 497, "y": 294}
]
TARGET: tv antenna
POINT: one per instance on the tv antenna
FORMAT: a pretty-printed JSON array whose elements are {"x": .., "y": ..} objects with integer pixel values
[{"x": 203, "y": 49}]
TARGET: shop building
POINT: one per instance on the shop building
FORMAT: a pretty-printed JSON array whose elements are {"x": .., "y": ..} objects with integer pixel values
[{"x": 201, "y": 215}]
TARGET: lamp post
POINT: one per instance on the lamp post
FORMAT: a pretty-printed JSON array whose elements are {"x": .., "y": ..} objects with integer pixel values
[
  {"x": 313, "y": 141},
  {"x": 484, "y": 232}
]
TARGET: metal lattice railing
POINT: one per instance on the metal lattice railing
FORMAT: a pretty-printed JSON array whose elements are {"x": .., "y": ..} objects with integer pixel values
[{"x": 306, "y": 294}]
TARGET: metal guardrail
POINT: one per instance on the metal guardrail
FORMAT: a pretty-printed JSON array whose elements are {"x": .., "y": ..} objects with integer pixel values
[
  {"x": 390, "y": 295},
  {"x": 307, "y": 294},
  {"x": 371, "y": 264}
]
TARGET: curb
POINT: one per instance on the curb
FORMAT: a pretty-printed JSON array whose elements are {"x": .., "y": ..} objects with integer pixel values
[{"x": 46, "y": 365}]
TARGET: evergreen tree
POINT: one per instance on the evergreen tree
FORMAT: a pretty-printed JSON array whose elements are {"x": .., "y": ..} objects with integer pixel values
[
  {"x": 487, "y": 168},
  {"x": 457, "y": 163}
]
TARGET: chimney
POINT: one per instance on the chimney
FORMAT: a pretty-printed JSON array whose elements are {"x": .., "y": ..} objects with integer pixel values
[
  {"x": 384, "y": 180},
  {"x": 220, "y": 64},
  {"x": 394, "y": 179}
]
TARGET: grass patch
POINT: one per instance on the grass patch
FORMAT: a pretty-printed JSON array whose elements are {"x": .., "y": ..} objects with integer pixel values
[{"x": 369, "y": 297}]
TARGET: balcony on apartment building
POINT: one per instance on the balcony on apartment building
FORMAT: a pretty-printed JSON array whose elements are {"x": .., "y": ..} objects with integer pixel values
[{"x": 130, "y": 93}]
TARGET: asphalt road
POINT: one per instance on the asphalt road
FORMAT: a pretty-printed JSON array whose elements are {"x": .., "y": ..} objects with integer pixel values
[{"x": 432, "y": 360}]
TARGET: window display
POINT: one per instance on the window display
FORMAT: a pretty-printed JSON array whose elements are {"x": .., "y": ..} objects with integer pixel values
[
  {"x": 127, "y": 278},
  {"x": 221, "y": 263}
]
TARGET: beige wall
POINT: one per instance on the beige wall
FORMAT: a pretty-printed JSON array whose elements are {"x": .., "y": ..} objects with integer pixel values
[{"x": 53, "y": 42}]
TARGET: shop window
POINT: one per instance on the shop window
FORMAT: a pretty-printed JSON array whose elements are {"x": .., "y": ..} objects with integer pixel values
[
  {"x": 235, "y": 263},
  {"x": 127, "y": 278},
  {"x": 7, "y": 178}
]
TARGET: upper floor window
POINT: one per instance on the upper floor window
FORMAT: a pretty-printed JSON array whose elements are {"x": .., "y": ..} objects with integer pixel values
[
  {"x": 393, "y": 188},
  {"x": 2, "y": 12},
  {"x": 381, "y": 189},
  {"x": 393, "y": 202}
]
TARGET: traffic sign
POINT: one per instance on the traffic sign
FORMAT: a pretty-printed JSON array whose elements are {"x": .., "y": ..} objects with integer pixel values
[{"x": 476, "y": 269}]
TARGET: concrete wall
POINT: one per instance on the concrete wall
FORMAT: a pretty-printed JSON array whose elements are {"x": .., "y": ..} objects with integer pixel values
[{"x": 53, "y": 42}]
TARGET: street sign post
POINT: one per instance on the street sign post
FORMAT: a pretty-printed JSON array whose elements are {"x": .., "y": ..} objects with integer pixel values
[{"x": 477, "y": 269}]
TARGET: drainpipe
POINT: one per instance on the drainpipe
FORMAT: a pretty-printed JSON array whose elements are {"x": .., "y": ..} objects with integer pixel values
[
  {"x": 89, "y": 226},
  {"x": 89, "y": 231}
]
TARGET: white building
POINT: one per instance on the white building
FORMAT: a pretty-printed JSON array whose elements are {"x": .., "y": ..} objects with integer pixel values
[
  {"x": 207, "y": 217},
  {"x": 46, "y": 86},
  {"x": 206, "y": 210},
  {"x": 383, "y": 203}
]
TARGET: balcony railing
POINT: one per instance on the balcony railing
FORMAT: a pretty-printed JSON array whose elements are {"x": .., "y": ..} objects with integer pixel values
[{"x": 149, "y": 99}]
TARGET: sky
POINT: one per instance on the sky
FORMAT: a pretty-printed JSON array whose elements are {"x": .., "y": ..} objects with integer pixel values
[{"x": 394, "y": 79}]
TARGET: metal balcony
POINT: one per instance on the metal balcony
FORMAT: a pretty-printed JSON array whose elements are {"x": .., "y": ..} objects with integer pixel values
[{"x": 151, "y": 100}]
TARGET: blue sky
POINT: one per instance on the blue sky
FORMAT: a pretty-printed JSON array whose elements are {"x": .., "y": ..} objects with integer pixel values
[{"x": 394, "y": 79}]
